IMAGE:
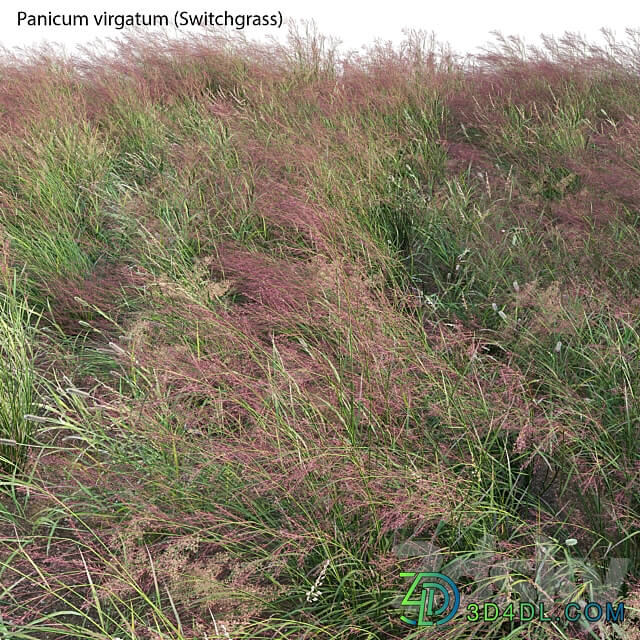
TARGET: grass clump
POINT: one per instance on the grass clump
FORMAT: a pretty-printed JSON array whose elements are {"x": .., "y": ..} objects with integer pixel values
[{"x": 18, "y": 395}]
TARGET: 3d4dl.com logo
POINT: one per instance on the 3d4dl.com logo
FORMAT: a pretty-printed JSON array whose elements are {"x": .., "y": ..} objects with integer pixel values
[{"x": 435, "y": 595}]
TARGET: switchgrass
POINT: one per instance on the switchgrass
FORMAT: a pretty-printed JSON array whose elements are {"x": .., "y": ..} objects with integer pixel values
[
  {"x": 277, "y": 324},
  {"x": 17, "y": 377}
]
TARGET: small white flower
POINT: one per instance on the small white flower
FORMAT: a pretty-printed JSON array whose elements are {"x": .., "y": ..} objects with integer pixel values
[
  {"x": 503, "y": 315},
  {"x": 516, "y": 286},
  {"x": 494, "y": 306},
  {"x": 314, "y": 592},
  {"x": 558, "y": 347},
  {"x": 571, "y": 542}
]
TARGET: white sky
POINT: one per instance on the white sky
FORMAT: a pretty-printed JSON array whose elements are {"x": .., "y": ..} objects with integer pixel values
[{"x": 465, "y": 24}]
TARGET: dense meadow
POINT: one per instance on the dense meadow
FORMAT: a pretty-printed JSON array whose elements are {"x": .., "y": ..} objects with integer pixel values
[{"x": 277, "y": 322}]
